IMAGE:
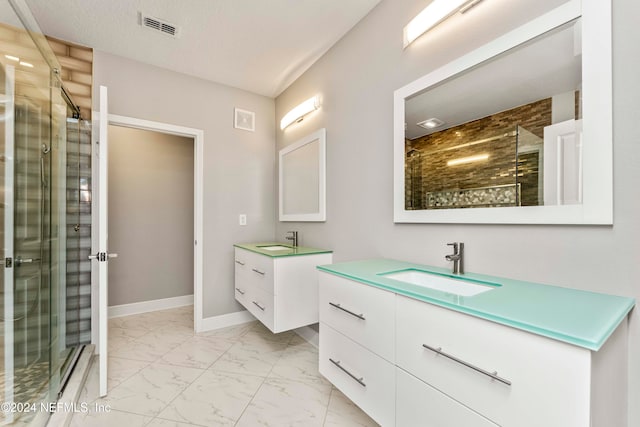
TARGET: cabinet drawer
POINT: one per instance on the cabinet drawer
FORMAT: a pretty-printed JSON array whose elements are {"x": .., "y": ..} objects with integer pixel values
[
  {"x": 365, "y": 378},
  {"x": 242, "y": 293},
  {"x": 257, "y": 269},
  {"x": 363, "y": 313},
  {"x": 419, "y": 404},
  {"x": 260, "y": 304},
  {"x": 549, "y": 379},
  {"x": 241, "y": 261}
]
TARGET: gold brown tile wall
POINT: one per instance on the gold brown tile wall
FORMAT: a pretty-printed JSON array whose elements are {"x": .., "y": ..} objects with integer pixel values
[
  {"x": 76, "y": 62},
  {"x": 76, "y": 73},
  {"x": 429, "y": 156}
]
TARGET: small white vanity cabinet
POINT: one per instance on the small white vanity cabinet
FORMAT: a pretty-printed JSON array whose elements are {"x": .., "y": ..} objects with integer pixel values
[
  {"x": 407, "y": 362},
  {"x": 280, "y": 287}
]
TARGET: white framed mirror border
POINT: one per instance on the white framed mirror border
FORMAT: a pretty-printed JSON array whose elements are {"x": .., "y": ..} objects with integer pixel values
[
  {"x": 321, "y": 137},
  {"x": 597, "y": 142}
]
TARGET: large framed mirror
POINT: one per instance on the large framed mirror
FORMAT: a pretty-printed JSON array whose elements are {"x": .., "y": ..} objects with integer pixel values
[
  {"x": 302, "y": 178},
  {"x": 518, "y": 131}
]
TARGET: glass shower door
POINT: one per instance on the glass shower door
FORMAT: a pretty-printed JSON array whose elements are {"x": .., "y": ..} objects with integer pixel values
[
  {"x": 35, "y": 302},
  {"x": 6, "y": 175},
  {"x": 26, "y": 315},
  {"x": 33, "y": 295}
]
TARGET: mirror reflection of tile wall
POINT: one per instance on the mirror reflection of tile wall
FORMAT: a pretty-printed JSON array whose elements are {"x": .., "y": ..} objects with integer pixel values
[{"x": 437, "y": 175}]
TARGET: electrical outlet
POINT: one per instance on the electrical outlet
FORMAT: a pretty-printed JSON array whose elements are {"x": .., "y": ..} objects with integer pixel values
[{"x": 242, "y": 219}]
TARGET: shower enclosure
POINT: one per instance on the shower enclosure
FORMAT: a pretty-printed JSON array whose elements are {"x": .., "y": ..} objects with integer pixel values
[
  {"x": 42, "y": 315},
  {"x": 502, "y": 168}
]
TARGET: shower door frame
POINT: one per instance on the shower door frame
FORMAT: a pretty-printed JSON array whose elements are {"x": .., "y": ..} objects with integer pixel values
[{"x": 8, "y": 238}]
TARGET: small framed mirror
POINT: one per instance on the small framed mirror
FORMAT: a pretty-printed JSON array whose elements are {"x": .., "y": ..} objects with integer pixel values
[
  {"x": 518, "y": 131},
  {"x": 302, "y": 177}
]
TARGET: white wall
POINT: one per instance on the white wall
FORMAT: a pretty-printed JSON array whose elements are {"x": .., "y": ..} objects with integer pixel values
[
  {"x": 238, "y": 165},
  {"x": 356, "y": 80},
  {"x": 150, "y": 215}
]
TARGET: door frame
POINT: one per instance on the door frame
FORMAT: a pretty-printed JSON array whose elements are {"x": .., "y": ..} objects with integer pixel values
[{"x": 198, "y": 208}]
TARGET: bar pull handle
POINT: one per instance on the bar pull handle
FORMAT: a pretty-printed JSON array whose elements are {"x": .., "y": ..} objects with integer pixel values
[
  {"x": 239, "y": 262},
  {"x": 356, "y": 379},
  {"x": 339, "y": 307},
  {"x": 258, "y": 305},
  {"x": 240, "y": 291},
  {"x": 493, "y": 375},
  {"x": 258, "y": 271}
]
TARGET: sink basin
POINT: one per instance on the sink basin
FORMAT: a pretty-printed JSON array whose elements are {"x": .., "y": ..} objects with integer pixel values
[
  {"x": 461, "y": 287},
  {"x": 275, "y": 248}
]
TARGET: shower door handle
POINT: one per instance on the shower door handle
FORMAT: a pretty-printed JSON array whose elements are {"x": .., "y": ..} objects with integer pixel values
[
  {"x": 19, "y": 261},
  {"x": 103, "y": 256}
]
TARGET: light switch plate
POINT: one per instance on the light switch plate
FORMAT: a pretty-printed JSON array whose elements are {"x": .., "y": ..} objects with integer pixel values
[{"x": 242, "y": 219}]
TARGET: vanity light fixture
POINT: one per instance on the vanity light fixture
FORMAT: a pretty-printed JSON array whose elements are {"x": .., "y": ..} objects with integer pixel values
[
  {"x": 436, "y": 12},
  {"x": 431, "y": 123},
  {"x": 298, "y": 113},
  {"x": 470, "y": 159}
]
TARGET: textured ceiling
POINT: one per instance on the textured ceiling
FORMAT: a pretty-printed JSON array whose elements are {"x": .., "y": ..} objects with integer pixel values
[{"x": 260, "y": 46}]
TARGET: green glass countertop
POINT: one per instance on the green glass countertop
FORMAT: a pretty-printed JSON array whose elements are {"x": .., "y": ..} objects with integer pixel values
[
  {"x": 290, "y": 251},
  {"x": 581, "y": 318}
]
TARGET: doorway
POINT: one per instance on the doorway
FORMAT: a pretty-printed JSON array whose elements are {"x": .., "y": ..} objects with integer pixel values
[
  {"x": 150, "y": 220},
  {"x": 194, "y": 138}
]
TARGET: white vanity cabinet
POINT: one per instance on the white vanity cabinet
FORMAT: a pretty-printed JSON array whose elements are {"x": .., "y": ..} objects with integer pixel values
[
  {"x": 408, "y": 363},
  {"x": 280, "y": 291}
]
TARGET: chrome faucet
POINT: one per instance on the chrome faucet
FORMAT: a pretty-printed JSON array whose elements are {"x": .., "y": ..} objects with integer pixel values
[
  {"x": 293, "y": 237},
  {"x": 457, "y": 257}
]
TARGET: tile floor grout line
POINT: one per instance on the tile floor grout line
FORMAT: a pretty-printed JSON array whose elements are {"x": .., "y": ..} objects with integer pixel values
[
  {"x": 256, "y": 392},
  {"x": 262, "y": 383},
  {"x": 326, "y": 413},
  {"x": 180, "y": 393}
]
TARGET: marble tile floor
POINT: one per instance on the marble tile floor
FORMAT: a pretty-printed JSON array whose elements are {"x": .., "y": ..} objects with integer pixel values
[{"x": 162, "y": 374}]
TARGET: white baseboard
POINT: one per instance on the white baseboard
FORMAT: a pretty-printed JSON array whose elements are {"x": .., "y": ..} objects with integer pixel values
[
  {"x": 309, "y": 334},
  {"x": 225, "y": 320},
  {"x": 147, "y": 306}
]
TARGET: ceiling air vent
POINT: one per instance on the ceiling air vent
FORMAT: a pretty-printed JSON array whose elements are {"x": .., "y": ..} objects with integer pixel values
[{"x": 156, "y": 24}]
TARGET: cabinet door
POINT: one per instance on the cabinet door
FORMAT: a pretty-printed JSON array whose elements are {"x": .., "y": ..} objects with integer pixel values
[
  {"x": 550, "y": 380},
  {"x": 257, "y": 269},
  {"x": 242, "y": 292},
  {"x": 296, "y": 290},
  {"x": 419, "y": 404},
  {"x": 363, "y": 313},
  {"x": 260, "y": 304},
  {"x": 365, "y": 378}
]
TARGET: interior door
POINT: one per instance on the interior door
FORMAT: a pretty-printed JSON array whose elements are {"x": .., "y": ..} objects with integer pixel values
[
  {"x": 563, "y": 163},
  {"x": 100, "y": 250}
]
